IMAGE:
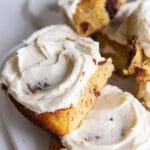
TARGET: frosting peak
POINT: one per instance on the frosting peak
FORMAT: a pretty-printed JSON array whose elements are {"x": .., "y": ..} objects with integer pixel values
[{"x": 46, "y": 74}]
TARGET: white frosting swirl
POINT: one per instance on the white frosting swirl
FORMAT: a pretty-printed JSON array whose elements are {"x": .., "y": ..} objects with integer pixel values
[
  {"x": 69, "y": 6},
  {"x": 117, "y": 122},
  {"x": 52, "y": 70}
]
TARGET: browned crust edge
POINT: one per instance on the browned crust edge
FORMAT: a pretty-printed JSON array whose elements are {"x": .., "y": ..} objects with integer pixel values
[{"x": 55, "y": 143}]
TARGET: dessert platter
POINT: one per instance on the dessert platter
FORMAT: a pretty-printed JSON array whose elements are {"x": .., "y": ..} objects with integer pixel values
[{"x": 86, "y": 82}]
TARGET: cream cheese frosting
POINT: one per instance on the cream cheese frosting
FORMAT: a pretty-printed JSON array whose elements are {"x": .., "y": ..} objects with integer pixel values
[
  {"x": 117, "y": 122},
  {"x": 69, "y": 6},
  {"x": 47, "y": 73},
  {"x": 133, "y": 20}
]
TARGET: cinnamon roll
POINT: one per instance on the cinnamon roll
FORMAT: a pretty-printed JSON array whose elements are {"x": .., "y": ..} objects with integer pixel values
[{"x": 55, "y": 78}]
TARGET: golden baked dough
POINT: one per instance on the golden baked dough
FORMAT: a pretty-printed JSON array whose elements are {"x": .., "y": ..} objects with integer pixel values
[
  {"x": 117, "y": 52},
  {"x": 64, "y": 121},
  {"x": 92, "y": 15},
  {"x": 128, "y": 60},
  {"x": 143, "y": 71},
  {"x": 135, "y": 58}
]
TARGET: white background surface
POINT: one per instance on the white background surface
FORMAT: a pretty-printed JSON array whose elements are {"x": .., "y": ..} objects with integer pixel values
[{"x": 18, "y": 19}]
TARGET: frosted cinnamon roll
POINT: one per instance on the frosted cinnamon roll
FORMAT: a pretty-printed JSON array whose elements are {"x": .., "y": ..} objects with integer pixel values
[
  {"x": 88, "y": 16},
  {"x": 55, "y": 78},
  {"x": 116, "y": 122}
]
